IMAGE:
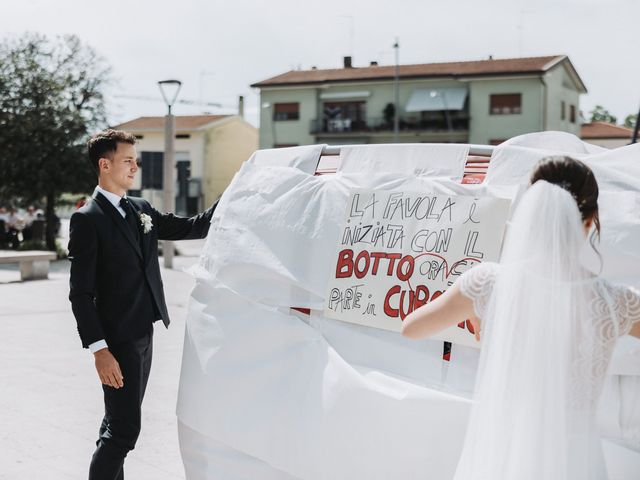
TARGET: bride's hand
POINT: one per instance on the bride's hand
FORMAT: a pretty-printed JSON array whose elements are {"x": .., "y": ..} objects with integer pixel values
[{"x": 476, "y": 323}]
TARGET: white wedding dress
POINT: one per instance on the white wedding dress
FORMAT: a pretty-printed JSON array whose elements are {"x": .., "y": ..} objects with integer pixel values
[{"x": 548, "y": 330}]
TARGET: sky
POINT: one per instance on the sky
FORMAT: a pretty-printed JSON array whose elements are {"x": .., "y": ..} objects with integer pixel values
[{"x": 218, "y": 48}]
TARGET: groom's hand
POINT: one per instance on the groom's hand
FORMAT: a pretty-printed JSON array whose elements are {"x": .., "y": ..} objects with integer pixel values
[{"x": 108, "y": 368}]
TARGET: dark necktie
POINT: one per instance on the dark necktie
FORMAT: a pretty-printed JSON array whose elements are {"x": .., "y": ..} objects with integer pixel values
[{"x": 131, "y": 218}]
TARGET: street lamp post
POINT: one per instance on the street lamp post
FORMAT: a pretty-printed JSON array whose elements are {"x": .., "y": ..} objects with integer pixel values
[
  {"x": 634, "y": 138},
  {"x": 169, "y": 90},
  {"x": 396, "y": 94},
  {"x": 447, "y": 114}
]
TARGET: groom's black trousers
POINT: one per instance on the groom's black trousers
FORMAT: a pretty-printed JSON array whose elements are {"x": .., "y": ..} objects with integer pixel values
[{"x": 122, "y": 410}]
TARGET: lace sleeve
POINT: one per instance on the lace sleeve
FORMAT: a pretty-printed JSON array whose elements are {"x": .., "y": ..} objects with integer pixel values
[
  {"x": 630, "y": 311},
  {"x": 477, "y": 285}
]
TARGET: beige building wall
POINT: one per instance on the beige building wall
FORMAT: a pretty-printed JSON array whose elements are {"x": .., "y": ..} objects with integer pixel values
[
  {"x": 379, "y": 94},
  {"x": 227, "y": 145},
  {"x": 287, "y": 132},
  {"x": 383, "y": 94},
  {"x": 542, "y": 97},
  {"x": 215, "y": 154},
  {"x": 485, "y": 127},
  {"x": 193, "y": 147},
  {"x": 562, "y": 89},
  {"x": 153, "y": 141}
]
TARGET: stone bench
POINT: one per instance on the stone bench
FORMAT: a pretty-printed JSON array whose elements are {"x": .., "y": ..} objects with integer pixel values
[{"x": 34, "y": 264}]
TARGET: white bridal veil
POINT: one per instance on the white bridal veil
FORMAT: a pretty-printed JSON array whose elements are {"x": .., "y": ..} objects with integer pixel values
[{"x": 538, "y": 381}]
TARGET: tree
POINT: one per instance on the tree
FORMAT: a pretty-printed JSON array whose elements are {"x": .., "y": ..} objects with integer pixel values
[
  {"x": 389, "y": 113},
  {"x": 601, "y": 114},
  {"x": 630, "y": 120},
  {"x": 50, "y": 100}
]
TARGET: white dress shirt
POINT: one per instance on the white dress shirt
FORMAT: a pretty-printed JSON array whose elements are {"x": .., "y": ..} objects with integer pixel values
[{"x": 115, "y": 201}]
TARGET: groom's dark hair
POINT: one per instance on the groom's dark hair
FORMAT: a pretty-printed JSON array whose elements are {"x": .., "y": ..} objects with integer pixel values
[{"x": 104, "y": 145}]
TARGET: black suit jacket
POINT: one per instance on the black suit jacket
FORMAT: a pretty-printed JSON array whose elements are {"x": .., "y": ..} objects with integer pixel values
[{"x": 115, "y": 284}]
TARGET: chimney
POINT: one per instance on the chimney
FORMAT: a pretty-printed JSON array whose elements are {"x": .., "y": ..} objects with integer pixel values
[
  {"x": 241, "y": 106},
  {"x": 347, "y": 62},
  {"x": 373, "y": 63}
]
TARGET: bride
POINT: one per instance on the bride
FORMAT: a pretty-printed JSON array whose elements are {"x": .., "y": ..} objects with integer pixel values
[{"x": 548, "y": 330}]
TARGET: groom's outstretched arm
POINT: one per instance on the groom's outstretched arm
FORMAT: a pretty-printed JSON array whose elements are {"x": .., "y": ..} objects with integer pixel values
[
  {"x": 174, "y": 227},
  {"x": 83, "y": 251}
]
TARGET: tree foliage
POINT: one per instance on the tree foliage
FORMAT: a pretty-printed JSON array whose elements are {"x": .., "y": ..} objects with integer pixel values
[
  {"x": 630, "y": 120},
  {"x": 601, "y": 114},
  {"x": 389, "y": 112},
  {"x": 51, "y": 98}
]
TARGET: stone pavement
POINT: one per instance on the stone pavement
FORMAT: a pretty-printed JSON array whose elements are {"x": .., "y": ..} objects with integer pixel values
[{"x": 51, "y": 400}]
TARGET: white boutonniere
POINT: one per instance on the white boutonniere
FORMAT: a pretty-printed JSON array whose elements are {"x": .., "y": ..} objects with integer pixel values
[{"x": 145, "y": 220}]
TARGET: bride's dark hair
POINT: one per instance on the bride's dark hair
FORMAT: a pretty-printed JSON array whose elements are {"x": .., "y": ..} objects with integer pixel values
[{"x": 575, "y": 177}]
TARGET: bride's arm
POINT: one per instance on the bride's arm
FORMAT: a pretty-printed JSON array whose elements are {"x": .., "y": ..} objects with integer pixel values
[
  {"x": 632, "y": 296},
  {"x": 450, "y": 308}
]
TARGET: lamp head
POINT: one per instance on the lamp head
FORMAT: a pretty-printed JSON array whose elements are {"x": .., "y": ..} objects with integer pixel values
[{"x": 169, "y": 90}]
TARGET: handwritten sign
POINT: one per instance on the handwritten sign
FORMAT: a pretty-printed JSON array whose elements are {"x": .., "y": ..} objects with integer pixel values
[{"x": 400, "y": 250}]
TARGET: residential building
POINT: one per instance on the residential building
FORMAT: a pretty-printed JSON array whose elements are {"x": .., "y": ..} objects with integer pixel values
[
  {"x": 606, "y": 134},
  {"x": 481, "y": 102},
  {"x": 209, "y": 149}
]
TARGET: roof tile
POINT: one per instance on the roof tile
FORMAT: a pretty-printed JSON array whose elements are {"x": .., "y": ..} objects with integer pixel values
[
  {"x": 605, "y": 130},
  {"x": 183, "y": 122},
  {"x": 376, "y": 72}
]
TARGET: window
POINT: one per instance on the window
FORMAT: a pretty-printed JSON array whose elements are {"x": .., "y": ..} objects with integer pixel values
[
  {"x": 572, "y": 113},
  {"x": 151, "y": 166},
  {"x": 505, "y": 103},
  {"x": 563, "y": 111},
  {"x": 139, "y": 137},
  {"x": 286, "y": 111},
  {"x": 495, "y": 141},
  {"x": 344, "y": 116},
  {"x": 183, "y": 135}
]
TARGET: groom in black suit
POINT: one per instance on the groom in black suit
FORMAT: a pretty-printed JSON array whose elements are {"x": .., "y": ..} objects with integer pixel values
[{"x": 116, "y": 290}]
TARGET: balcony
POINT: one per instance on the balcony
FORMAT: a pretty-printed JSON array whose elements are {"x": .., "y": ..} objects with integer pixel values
[{"x": 428, "y": 123}]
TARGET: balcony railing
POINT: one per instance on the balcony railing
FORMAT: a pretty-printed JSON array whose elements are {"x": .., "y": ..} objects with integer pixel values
[{"x": 457, "y": 121}]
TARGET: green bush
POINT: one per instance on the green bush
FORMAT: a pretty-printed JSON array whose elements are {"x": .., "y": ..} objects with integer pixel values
[
  {"x": 33, "y": 245},
  {"x": 61, "y": 252}
]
